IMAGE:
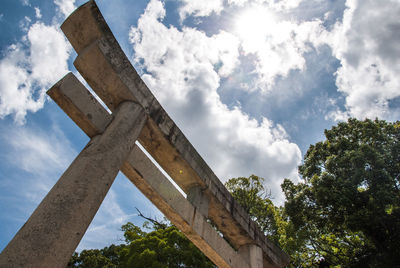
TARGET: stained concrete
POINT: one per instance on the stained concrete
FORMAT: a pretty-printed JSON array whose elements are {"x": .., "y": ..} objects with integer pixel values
[
  {"x": 253, "y": 255},
  {"x": 108, "y": 71},
  {"x": 198, "y": 199},
  {"x": 55, "y": 228},
  {"x": 190, "y": 219}
]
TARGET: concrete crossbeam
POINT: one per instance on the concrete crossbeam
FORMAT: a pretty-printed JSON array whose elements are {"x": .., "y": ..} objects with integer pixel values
[
  {"x": 76, "y": 100},
  {"x": 155, "y": 186},
  {"x": 54, "y": 230},
  {"x": 107, "y": 70}
]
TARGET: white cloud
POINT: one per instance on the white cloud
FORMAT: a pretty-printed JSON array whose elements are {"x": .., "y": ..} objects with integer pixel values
[
  {"x": 205, "y": 8},
  {"x": 184, "y": 70},
  {"x": 366, "y": 45},
  {"x": 65, "y": 6},
  {"x": 31, "y": 66},
  {"x": 25, "y": 75},
  {"x": 281, "y": 4},
  {"x": 103, "y": 231},
  {"x": 200, "y": 8},
  {"x": 25, "y": 2},
  {"x": 278, "y": 44},
  {"x": 43, "y": 156},
  {"x": 25, "y": 23},
  {"x": 49, "y": 52},
  {"x": 38, "y": 14},
  {"x": 37, "y": 153}
]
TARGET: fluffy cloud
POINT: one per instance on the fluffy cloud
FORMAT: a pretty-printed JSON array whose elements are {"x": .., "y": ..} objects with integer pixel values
[
  {"x": 183, "y": 69},
  {"x": 206, "y": 7},
  {"x": 264, "y": 30},
  {"x": 281, "y": 4},
  {"x": 29, "y": 68},
  {"x": 365, "y": 42},
  {"x": 200, "y": 8},
  {"x": 65, "y": 6},
  {"x": 38, "y": 14},
  {"x": 278, "y": 44}
]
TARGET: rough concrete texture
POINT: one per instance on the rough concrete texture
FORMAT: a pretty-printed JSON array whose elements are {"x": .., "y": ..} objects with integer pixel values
[
  {"x": 107, "y": 70},
  {"x": 201, "y": 201},
  {"x": 146, "y": 176},
  {"x": 155, "y": 186},
  {"x": 253, "y": 254},
  {"x": 70, "y": 94},
  {"x": 55, "y": 228}
]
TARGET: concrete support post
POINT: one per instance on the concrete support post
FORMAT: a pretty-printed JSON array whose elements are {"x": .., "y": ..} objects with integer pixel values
[
  {"x": 199, "y": 200},
  {"x": 54, "y": 230},
  {"x": 253, "y": 254}
]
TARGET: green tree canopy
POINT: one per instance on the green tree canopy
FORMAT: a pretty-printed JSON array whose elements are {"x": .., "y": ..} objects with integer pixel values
[
  {"x": 163, "y": 246},
  {"x": 253, "y": 197},
  {"x": 349, "y": 202},
  {"x": 344, "y": 213}
]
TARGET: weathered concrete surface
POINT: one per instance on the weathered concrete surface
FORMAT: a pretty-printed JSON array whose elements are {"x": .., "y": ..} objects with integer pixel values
[
  {"x": 69, "y": 94},
  {"x": 146, "y": 176},
  {"x": 55, "y": 228},
  {"x": 107, "y": 70},
  {"x": 253, "y": 254},
  {"x": 198, "y": 199},
  {"x": 155, "y": 186}
]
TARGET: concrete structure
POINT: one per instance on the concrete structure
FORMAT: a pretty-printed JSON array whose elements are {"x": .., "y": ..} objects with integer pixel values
[
  {"x": 91, "y": 117},
  {"x": 54, "y": 230},
  {"x": 105, "y": 67}
]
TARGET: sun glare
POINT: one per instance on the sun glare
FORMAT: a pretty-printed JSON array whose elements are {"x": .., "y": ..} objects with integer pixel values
[{"x": 253, "y": 22}]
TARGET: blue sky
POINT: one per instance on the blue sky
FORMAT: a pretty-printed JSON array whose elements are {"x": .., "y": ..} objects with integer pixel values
[{"x": 251, "y": 83}]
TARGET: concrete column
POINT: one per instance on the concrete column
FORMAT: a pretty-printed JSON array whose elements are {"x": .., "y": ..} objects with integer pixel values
[
  {"x": 253, "y": 254},
  {"x": 55, "y": 228},
  {"x": 199, "y": 200}
]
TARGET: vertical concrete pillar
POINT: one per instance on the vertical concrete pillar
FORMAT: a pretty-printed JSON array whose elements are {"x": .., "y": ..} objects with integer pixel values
[
  {"x": 54, "y": 230},
  {"x": 199, "y": 200},
  {"x": 253, "y": 254}
]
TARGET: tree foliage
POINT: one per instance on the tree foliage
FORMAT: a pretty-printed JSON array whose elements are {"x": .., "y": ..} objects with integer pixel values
[
  {"x": 345, "y": 212},
  {"x": 162, "y": 247},
  {"x": 348, "y": 206},
  {"x": 108, "y": 257},
  {"x": 165, "y": 246},
  {"x": 253, "y": 197}
]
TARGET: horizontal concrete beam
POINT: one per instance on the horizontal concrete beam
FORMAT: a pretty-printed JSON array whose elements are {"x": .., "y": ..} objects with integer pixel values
[
  {"x": 76, "y": 100},
  {"x": 80, "y": 105},
  {"x": 107, "y": 70}
]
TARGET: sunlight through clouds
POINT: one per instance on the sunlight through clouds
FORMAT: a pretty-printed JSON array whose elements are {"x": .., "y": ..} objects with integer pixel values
[
  {"x": 183, "y": 69},
  {"x": 278, "y": 44},
  {"x": 249, "y": 82}
]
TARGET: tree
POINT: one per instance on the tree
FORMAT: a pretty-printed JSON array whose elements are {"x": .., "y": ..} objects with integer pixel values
[
  {"x": 273, "y": 221},
  {"x": 108, "y": 257},
  {"x": 349, "y": 202},
  {"x": 162, "y": 247},
  {"x": 344, "y": 213},
  {"x": 165, "y": 246},
  {"x": 252, "y": 196}
]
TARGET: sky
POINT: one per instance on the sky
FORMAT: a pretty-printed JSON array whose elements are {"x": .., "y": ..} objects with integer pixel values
[{"x": 251, "y": 83}]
